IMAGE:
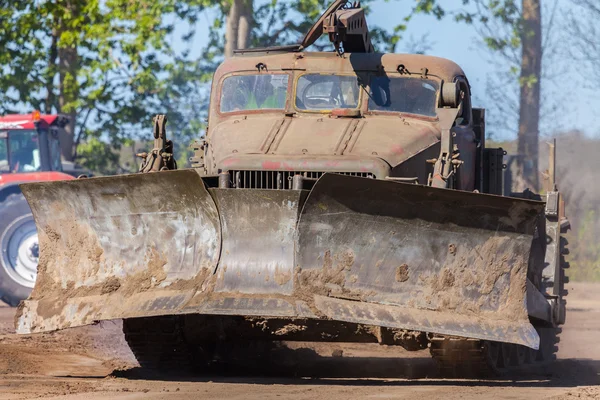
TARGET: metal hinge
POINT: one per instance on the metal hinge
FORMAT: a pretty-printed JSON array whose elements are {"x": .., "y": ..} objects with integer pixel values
[
  {"x": 552, "y": 204},
  {"x": 198, "y": 146}
]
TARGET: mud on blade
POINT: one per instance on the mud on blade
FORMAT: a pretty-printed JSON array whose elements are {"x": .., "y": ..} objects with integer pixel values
[
  {"x": 110, "y": 247},
  {"x": 355, "y": 250},
  {"x": 435, "y": 260}
]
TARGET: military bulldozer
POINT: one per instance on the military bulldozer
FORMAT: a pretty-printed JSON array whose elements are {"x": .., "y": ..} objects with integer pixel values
[{"x": 337, "y": 196}]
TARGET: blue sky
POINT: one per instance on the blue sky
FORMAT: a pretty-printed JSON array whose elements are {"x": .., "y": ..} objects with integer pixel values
[{"x": 460, "y": 43}]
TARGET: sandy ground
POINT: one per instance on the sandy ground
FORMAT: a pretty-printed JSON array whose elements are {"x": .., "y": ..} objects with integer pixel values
[{"x": 95, "y": 363}]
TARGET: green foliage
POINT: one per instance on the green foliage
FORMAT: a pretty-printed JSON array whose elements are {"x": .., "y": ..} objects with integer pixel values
[
  {"x": 429, "y": 7},
  {"x": 499, "y": 22},
  {"x": 100, "y": 60},
  {"x": 528, "y": 81},
  {"x": 185, "y": 101},
  {"x": 98, "y": 156}
]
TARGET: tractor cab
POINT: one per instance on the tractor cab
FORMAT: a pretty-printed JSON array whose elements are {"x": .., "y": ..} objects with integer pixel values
[
  {"x": 29, "y": 152},
  {"x": 29, "y": 143}
]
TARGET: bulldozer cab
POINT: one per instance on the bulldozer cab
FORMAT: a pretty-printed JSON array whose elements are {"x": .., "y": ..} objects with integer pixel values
[
  {"x": 315, "y": 111},
  {"x": 351, "y": 111}
]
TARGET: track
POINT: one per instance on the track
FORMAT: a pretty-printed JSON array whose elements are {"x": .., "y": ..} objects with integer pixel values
[{"x": 458, "y": 357}]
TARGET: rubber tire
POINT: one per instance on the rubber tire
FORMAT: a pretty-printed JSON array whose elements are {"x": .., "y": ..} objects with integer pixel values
[{"x": 13, "y": 207}]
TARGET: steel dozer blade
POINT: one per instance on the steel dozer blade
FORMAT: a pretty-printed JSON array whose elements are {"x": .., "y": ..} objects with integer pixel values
[
  {"x": 118, "y": 247},
  {"x": 433, "y": 260},
  {"x": 351, "y": 250}
]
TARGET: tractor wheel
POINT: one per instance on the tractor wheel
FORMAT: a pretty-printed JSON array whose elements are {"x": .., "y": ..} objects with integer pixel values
[{"x": 19, "y": 250}]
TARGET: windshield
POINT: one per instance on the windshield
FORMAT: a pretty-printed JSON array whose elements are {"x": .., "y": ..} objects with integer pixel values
[
  {"x": 326, "y": 92},
  {"x": 19, "y": 151},
  {"x": 407, "y": 95},
  {"x": 254, "y": 92},
  {"x": 54, "y": 150}
]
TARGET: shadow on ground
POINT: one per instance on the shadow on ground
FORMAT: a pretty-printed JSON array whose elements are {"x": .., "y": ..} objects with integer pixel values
[{"x": 306, "y": 366}]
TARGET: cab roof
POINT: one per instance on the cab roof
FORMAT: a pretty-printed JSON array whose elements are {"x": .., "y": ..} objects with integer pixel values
[
  {"x": 25, "y": 121},
  {"x": 329, "y": 62}
]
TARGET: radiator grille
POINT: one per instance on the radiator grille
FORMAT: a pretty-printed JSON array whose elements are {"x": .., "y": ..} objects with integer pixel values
[{"x": 278, "y": 179}]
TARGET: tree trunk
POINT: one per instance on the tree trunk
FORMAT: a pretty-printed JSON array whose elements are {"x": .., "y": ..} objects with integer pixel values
[
  {"x": 52, "y": 54},
  {"x": 68, "y": 67},
  {"x": 68, "y": 93},
  {"x": 239, "y": 26},
  {"x": 529, "y": 112},
  {"x": 245, "y": 24}
]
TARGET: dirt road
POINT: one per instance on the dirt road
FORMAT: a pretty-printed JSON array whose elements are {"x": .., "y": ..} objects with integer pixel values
[{"x": 95, "y": 363}]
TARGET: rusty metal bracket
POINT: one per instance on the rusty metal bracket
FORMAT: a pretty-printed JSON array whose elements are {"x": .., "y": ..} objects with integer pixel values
[
  {"x": 345, "y": 24},
  {"x": 448, "y": 161},
  {"x": 261, "y": 67},
  {"x": 198, "y": 146},
  {"x": 402, "y": 70},
  {"x": 553, "y": 275},
  {"x": 161, "y": 157},
  {"x": 552, "y": 201}
]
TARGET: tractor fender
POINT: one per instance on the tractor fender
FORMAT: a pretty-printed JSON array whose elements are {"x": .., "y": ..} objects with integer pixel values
[{"x": 9, "y": 183}]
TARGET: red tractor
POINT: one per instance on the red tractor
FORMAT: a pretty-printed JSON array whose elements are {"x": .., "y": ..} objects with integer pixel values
[{"x": 29, "y": 151}]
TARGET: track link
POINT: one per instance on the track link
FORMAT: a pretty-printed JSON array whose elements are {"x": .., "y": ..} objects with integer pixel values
[{"x": 461, "y": 357}]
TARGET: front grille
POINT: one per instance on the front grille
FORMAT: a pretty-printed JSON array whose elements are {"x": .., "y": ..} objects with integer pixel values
[{"x": 278, "y": 179}]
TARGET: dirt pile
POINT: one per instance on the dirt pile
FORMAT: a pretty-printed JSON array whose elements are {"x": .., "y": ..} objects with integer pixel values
[{"x": 86, "y": 351}]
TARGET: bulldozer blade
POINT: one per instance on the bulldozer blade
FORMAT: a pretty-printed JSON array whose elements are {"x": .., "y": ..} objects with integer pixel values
[
  {"x": 352, "y": 249},
  {"x": 258, "y": 230},
  {"x": 434, "y": 260},
  {"x": 118, "y": 247}
]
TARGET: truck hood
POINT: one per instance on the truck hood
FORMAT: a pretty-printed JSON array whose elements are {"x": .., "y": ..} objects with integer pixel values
[{"x": 391, "y": 138}]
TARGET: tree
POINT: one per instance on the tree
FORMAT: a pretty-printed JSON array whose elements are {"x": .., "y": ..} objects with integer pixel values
[
  {"x": 515, "y": 34},
  {"x": 185, "y": 100},
  {"x": 96, "y": 61},
  {"x": 513, "y": 31},
  {"x": 530, "y": 34},
  {"x": 584, "y": 35},
  {"x": 239, "y": 26}
]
